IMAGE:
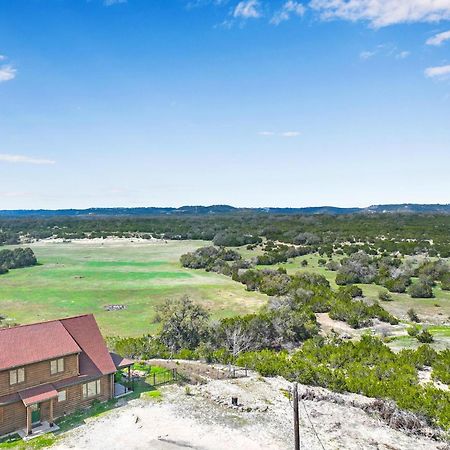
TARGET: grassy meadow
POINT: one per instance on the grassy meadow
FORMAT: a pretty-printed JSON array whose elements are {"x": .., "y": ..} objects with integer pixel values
[
  {"x": 85, "y": 277},
  {"x": 88, "y": 276}
]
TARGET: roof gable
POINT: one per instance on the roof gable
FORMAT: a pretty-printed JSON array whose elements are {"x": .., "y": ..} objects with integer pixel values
[
  {"x": 94, "y": 358},
  {"x": 33, "y": 343}
]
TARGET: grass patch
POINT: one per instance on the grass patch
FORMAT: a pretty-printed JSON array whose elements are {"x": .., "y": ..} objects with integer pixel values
[
  {"x": 75, "y": 278},
  {"x": 16, "y": 442}
]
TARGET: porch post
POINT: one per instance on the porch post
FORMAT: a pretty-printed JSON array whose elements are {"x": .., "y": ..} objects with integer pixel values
[
  {"x": 51, "y": 413},
  {"x": 29, "y": 423}
]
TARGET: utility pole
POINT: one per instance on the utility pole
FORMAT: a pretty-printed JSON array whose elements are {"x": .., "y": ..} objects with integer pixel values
[{"x": 296, "y": 419}]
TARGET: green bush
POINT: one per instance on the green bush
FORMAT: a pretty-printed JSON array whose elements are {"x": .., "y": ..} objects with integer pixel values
[
  {"x": 385, "y": 296},
  {"x": 420, "y": 290}
]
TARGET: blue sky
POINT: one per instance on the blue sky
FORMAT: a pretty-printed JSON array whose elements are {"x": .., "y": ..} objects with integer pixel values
[{"x": 250, "y": 103}]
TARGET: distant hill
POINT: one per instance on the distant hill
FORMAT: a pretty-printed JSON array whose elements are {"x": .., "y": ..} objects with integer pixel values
[{"x": 410, "y": 208}]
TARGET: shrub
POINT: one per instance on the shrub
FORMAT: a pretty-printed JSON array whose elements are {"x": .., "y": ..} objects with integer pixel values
[
  {"x": 445, "y": 282},
  {"x": 425, "y": 337},
  {"x": 398, "y": 284},
  {"x": 413, "y": 331},
  {"x": 385, "y": 296},
  {"x": 354, "y": 291},
  {"x": 420, "y": 289},
  {"x": 413, "y": 315}
]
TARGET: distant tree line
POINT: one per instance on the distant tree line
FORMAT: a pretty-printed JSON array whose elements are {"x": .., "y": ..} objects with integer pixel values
[{"x": 376, "y": 234}]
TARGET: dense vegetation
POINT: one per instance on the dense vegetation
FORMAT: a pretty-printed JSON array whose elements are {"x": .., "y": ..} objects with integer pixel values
[
  {"x": 17, "y": 258},
  {"x": 407, "y": 234},
  {"x": 309, "y": 292},
  {"x": 392, "y": 273},
  {"x": 282, "y": 340}
]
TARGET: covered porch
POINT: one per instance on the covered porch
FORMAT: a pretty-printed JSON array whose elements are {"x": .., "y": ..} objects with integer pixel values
[
  {"x": 38, "y": 402},
  {"x": 122, "y": 364}
]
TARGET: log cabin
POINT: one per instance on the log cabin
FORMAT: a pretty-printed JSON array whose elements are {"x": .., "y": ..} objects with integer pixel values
[{"x": 51, "y": 369}]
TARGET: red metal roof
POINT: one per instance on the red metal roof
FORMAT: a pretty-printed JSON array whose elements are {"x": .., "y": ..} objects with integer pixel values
[
  {"x": 38, "y": 394},
  {"x": 28, "y": 344},
  {"x": 120, "y": 362},
  {"x": 94, "y": 358},
  {"x": 32, "y": 343}
]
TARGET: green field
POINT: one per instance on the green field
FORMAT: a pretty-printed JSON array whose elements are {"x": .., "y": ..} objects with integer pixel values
[{"x": 79, "y": 277}]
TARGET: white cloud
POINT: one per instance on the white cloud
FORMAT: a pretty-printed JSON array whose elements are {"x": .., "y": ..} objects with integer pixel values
[
  {"x": 403, "y": 55},
  {"x": 381, "y": 13},
  {"x": 438, "y": 72},
  {"x": 2, "y": 57},
  {"x": 20, "y": 159},
  {"x": 7, "y": 73},
  {"x": 248, "y": 9},
  {"x": 286, "y": 134},
  {"x": 366, "y": 55},
  {"x": 288, "y": 9},
  {"x": 290, "y": 134},
  {"x": 438, "y": 39}
]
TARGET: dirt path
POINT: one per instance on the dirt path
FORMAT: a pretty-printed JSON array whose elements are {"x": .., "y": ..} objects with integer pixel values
[{"x": 202, "y": 418}]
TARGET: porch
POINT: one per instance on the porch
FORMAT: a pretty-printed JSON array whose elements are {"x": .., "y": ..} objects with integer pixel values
[
  {"x": 122, "y": 365},
  {"x": 38, "y": 430},
  {"x": 38, "y": 402}
]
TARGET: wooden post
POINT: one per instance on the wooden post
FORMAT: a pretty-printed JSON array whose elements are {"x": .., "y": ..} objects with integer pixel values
[
  {"x": 29, "y": 423},
  {"x": 51, "y": 413},
  {"x": 296, "y": 418}
]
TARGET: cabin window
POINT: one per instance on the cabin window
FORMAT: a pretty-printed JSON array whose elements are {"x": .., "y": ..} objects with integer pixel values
[
  {"x": 62, "y": 396},
  {"x": 57, "y": 366},
  {"x": 91, "y": 389},
  {"x": 16, "y": 376}
]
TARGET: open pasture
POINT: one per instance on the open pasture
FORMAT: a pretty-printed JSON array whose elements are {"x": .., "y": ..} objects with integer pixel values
[{"x": 87, "y": 277}]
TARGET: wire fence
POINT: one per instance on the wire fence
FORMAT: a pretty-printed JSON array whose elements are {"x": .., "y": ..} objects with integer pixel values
[{"x": 163, "y": 377}]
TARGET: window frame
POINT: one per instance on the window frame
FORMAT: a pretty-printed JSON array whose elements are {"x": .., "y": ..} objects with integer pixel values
[
  {"x": 91, "y": 386},
  {"x": 64, "y": 391},
  {"x": 57, "y": 366},
  {"x": 15, "y": 373}
]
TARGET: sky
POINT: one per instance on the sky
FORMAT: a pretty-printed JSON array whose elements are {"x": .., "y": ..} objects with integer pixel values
[{"x": 108, "y": 103}]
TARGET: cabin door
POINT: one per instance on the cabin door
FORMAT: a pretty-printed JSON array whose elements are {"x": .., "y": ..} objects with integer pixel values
[{"x": 36, "y": 413}]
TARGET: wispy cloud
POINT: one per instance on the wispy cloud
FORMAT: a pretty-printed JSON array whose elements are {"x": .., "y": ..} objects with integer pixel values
[
  {"x": 285, "y": 134},
  {"x": 439, "y": 39},
  {"x": 12, "y": 194},
  {"x": 381, "y": 13},
  {"x": 367, "y": 54},
  {"x": 2, "y": 57},
  {"x": 290, "y": 134},
  {"x": 438, "y": 72},
  {"x": 388, "y": 50},
  {"x": 7, "y": 73},
  {"x": 113, "y": 2},
  {"x": 21, "y": 159},
  {"x": 403, "y": 55},
  {"x": 248, "y": 9},
  {"x": 290, "y": 8},
  {"x": 199, "y": 3}
]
